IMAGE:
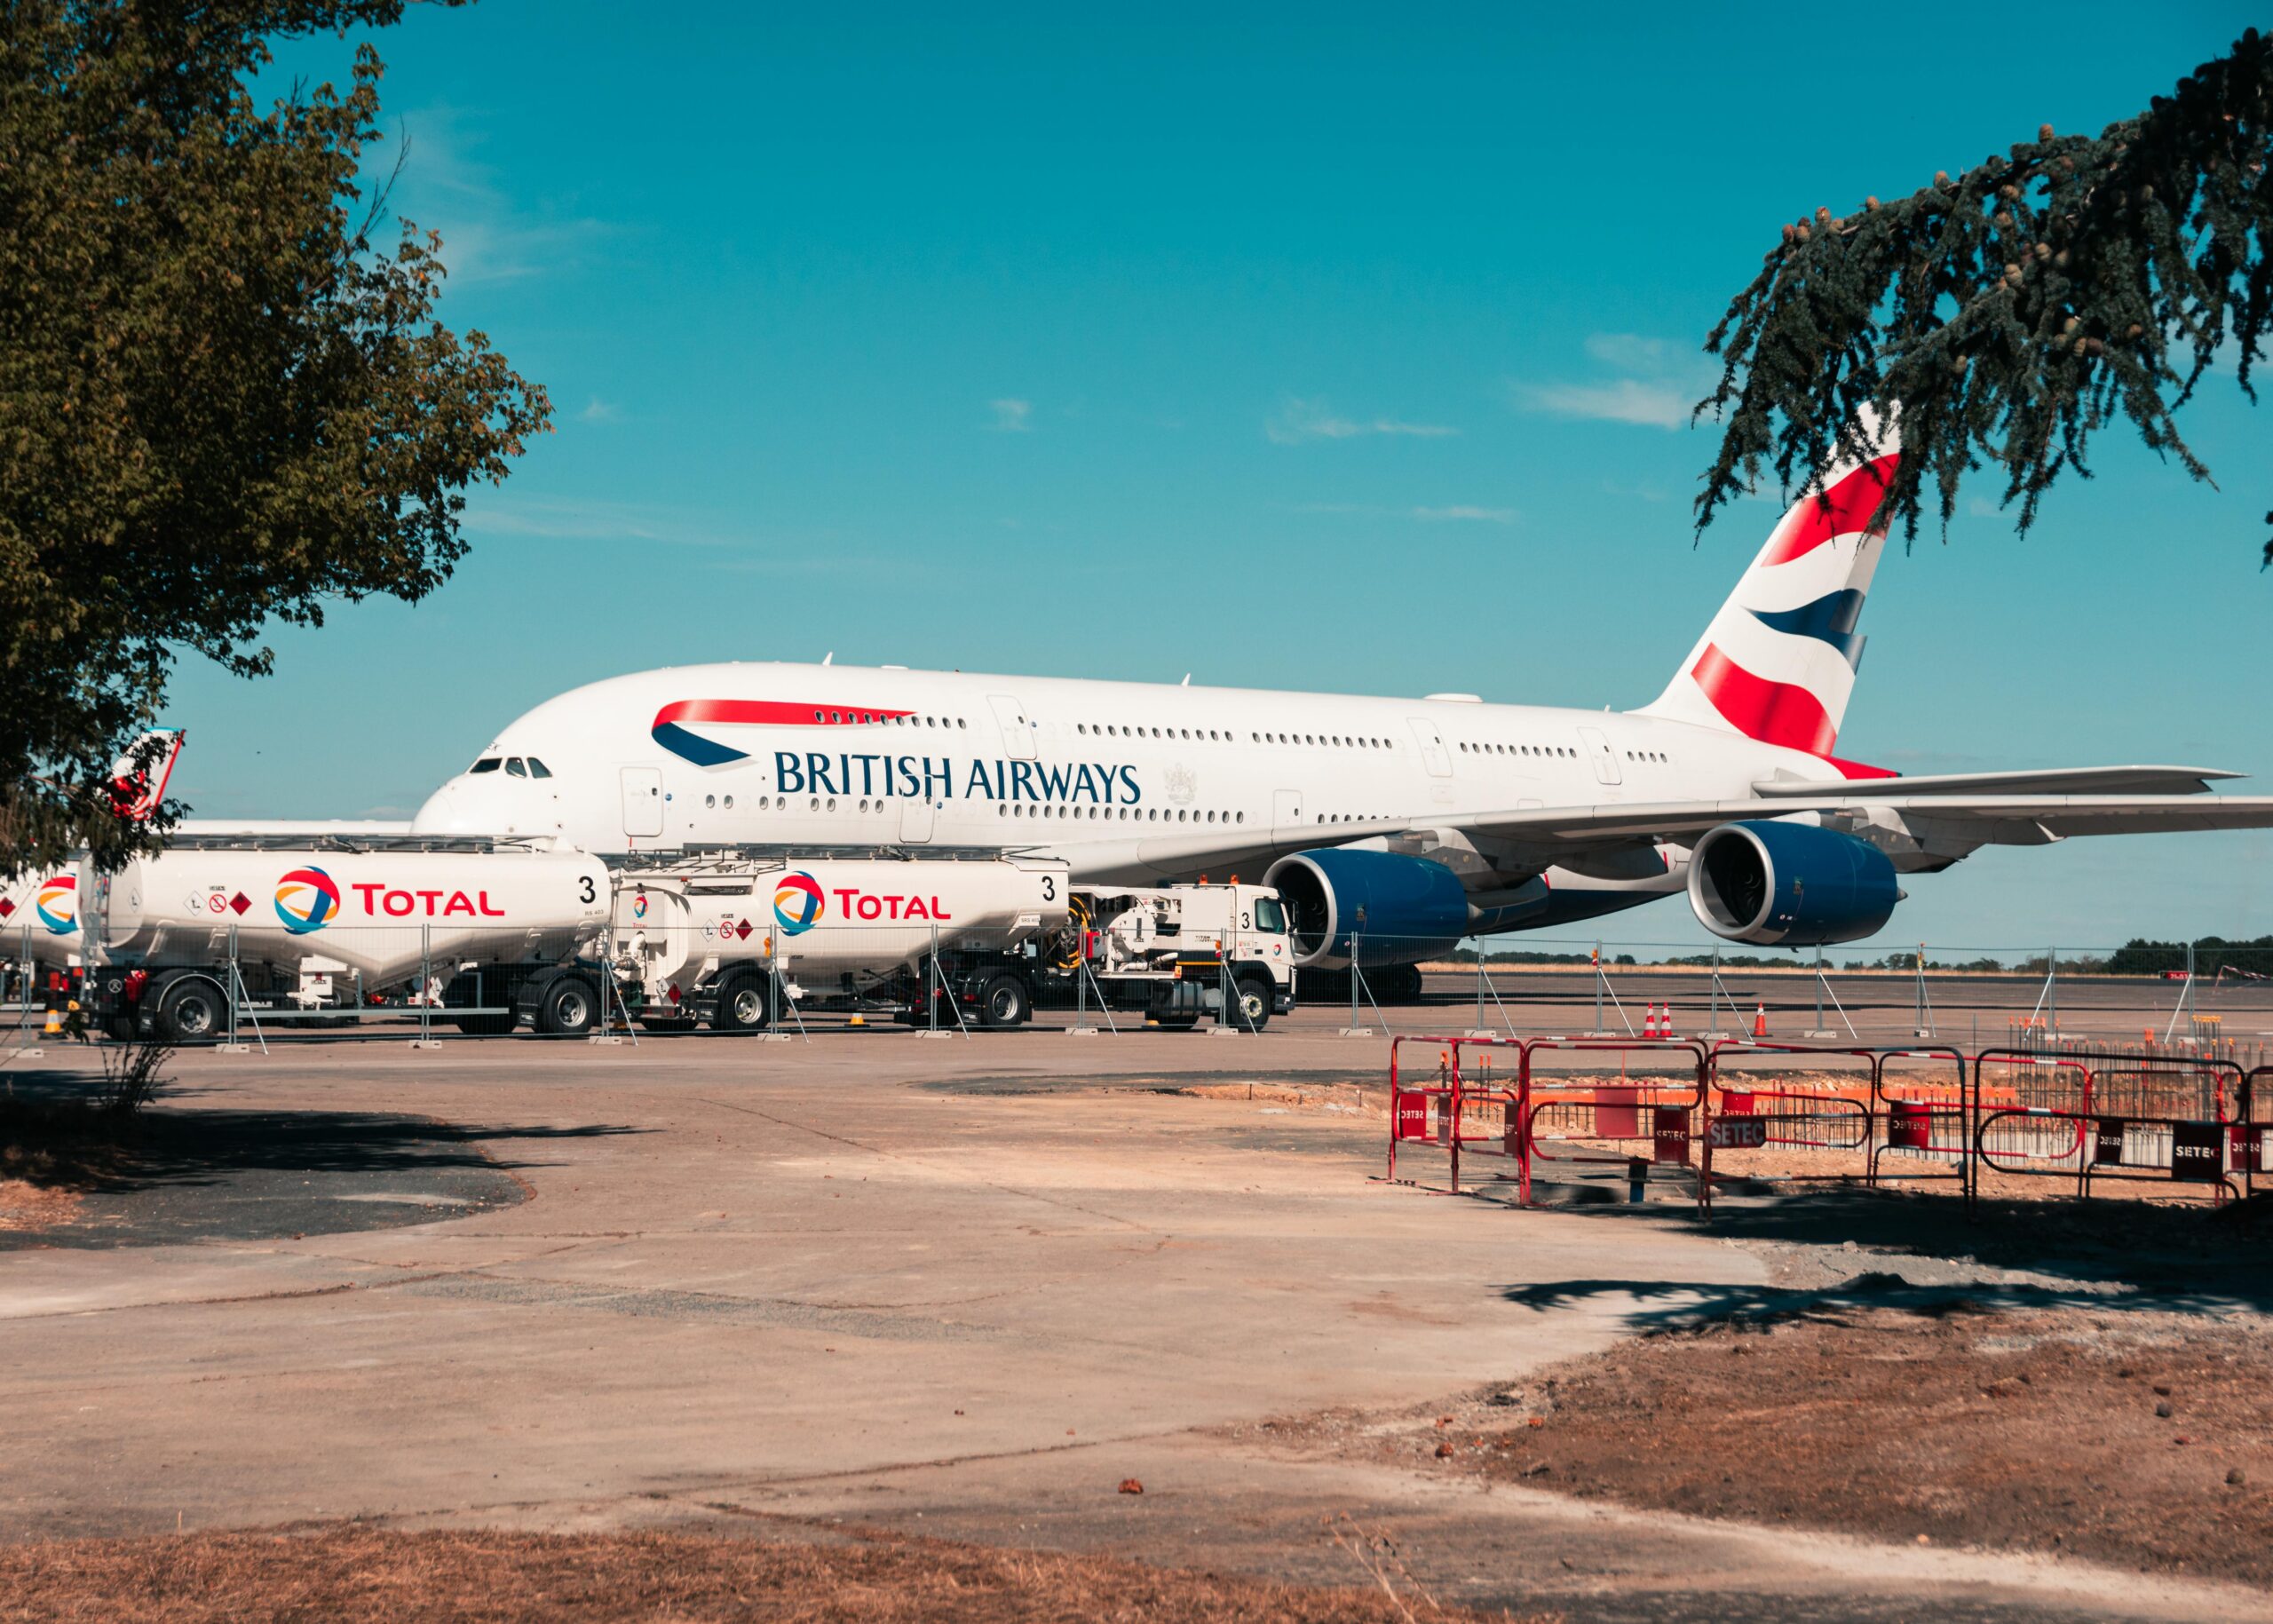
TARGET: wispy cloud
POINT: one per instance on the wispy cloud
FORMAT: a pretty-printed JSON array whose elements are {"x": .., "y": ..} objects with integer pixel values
[
  {"x": 596, "y": 410},
  {"x": 1660, "y": 381},
  {"x": 1453, "y": 513},
  {"x": 488, "y": 234},
  {"x": 1659, "y": 405},
  {"x": 1300, "y": 420},
  {"x": 1489, "y": 516},
  {"x": 1011, "y": 416},
  {"x": 504, "y": 515}
]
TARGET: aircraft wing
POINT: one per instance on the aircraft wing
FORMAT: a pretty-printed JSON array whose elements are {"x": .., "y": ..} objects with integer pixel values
[
  {"x": 1952, "y": 824},
  {"x": 1939, "y": 827},
  {"x": 2138, "y": 781}
]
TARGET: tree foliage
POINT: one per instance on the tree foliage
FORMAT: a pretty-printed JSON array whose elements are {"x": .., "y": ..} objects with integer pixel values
[
  {"x": 222, "y": 397},
  {"x": 2010, "y": 313}
]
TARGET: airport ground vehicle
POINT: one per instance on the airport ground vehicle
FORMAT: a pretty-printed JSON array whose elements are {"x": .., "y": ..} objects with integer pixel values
[
  {"x": 1167, "y": 953},
  {"x": 178, "y": 942},
  {"x": 497, "y": 935},
  {"x": 723, "y": 938}
]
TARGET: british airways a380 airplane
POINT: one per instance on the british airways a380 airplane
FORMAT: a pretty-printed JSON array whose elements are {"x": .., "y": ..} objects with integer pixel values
[{"x": 1407, "y": 823}]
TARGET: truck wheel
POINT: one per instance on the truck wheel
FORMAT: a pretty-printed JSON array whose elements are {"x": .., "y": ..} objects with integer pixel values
[
  {"x": 1254, "y": 1012},
  {"x": 1004, "y": 1001},
  {"x": 741, "y": 1005},
  {"x": 193, "y": 1010},
  {"x": 569, "y": 1007}
]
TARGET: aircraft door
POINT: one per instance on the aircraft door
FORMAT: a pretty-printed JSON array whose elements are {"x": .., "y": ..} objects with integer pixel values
[
  {"x": 643, "y": 802},
  {"x": 1287, "y": 809},
  {"x": 1018, "y": 727},
  {"x": 1599, "y": 751},
  {"x": 1433, "y": 755},
  {"x": 916, "y": 820}
]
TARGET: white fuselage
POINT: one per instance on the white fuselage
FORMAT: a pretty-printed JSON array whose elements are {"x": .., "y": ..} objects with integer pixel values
[{"x": 1126, "y": 781}]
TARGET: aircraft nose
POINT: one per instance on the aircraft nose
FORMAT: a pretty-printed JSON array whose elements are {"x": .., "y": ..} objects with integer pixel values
[{"x": 439, "y": 815}]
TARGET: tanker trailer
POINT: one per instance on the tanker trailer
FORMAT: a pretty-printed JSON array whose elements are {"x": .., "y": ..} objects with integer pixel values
[
  {"x": 39, "y": 917},
  {"x": 39, "y": 936},
  {"x": 495, "y": 932},
  {"x": 696, "y": 941}
]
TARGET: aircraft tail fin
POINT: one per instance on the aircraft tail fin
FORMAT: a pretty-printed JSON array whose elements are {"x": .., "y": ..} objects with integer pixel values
[
  {"x": 1777, "y": 663},
  {"x": 138, "y": 781}
]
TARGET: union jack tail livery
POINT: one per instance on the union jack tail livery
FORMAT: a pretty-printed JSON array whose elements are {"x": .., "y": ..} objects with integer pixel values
[
  {"x": 1777, "y": 663},
  {"x": 138, "y": 785}
]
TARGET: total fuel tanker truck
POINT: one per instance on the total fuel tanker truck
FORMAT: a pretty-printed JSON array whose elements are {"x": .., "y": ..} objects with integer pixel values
[
  {"x": 722, "y": 939},
  {"x": 171, "y": 939},
  {"x": 497, "y": 936}
]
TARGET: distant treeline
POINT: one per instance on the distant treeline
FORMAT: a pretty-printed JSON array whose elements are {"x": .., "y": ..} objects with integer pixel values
[
  {"x": 2212, "y": 953},
  {"x": 2136, "y": 957}
]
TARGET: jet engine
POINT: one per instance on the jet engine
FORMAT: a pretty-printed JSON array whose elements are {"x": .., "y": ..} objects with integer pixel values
[
  {"x": 1789, "y": 884},
  {"x": 1401, "y": 909}
]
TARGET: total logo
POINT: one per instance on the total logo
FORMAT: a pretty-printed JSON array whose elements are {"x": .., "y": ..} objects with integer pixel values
[
  {"x": 306, "y": 899},
  {"x": 797, "y": 905},
  {"x": 57, "y": 904}
]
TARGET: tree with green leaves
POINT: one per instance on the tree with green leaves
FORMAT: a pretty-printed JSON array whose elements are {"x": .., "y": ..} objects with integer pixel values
[
  {"x": 225, "y": 394},
  {"x": 2010, "y": 313}
]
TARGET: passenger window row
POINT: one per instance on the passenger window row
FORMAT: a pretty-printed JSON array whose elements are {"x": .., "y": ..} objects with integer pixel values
[
  {"x": 835, "y": 718},
  {"x": 1115, "y": 814},
  {"x": 1518, "y": 750},
  {"x": 1210, "y": 735}
]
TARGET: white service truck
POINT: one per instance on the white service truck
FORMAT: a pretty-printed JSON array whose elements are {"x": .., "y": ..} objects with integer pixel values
[{"x": 1168, "y": 952}]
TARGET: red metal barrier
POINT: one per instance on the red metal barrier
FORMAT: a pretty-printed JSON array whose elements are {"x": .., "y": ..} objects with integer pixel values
[
  {"x": 2254, "y": 1133},
  {"x": 1753, "y": 1115},
  {"x": 2183, "y": 1120},
  {"x": 1421, "y": 1114},
  {"x": 2110, "y": 1116},
  {"x": 1920, "y": 1116},
  {"x": 1446, "y": 1111},
  {"x": 1580, "y": 1113}
]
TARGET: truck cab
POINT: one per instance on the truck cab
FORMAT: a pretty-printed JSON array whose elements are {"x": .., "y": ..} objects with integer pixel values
[{"x": 1170, "y": 954}]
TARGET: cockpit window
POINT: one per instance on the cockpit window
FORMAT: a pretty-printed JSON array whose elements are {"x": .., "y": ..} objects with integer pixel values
[
  {"x": 513, "y": 768},
  {"x": 537, "y": 769},
  {"x": 488, "y": 764}
]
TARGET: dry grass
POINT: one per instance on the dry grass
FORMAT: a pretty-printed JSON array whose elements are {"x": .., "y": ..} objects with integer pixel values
[
  {"x": 2125, "y": 1436},
  {"x": 350, "y": 1575},
  {"x": 25, "y": 1205}
]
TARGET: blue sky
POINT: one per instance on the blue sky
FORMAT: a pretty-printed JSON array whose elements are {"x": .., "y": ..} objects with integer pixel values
[{"x": 1312, "y": 348}]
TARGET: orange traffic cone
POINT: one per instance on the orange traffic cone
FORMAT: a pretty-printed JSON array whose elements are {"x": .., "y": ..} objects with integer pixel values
[{"x": 1760, "y": 1020}]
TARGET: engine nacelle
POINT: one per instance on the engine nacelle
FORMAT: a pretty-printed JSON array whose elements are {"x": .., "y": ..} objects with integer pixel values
[
  {"x": 1402, "y": 909},
  {"x": 1792, "y": 885}
]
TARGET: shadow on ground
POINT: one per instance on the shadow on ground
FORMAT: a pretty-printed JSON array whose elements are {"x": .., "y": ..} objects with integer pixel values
[
  {"x": 1898, "y": 1249},
  {"x": 166, "y": 1175}
]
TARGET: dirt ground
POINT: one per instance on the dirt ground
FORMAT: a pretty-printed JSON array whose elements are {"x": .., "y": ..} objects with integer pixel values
[
  {"x": 2126, "y": 1437},
  {"x": 347, "y": 1573}
]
